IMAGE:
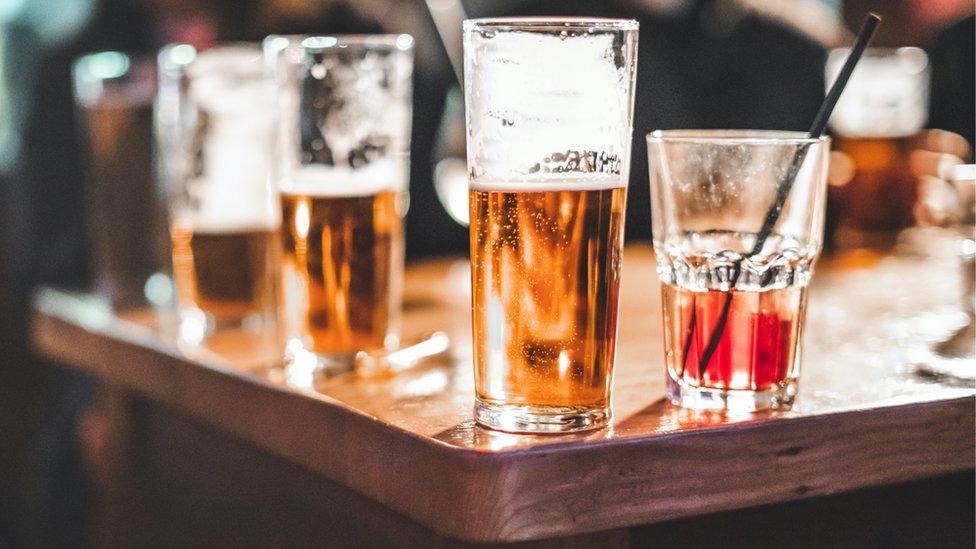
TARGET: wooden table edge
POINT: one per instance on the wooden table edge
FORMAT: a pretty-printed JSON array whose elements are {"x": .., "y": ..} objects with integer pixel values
[{"x": 489, "y": 492}]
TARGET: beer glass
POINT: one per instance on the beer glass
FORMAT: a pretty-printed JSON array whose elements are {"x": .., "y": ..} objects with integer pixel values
[
  {"x": 126, "y": 221},
  {"x": 342, "y": 138},
  {"x": 734, "y": 303},
  {"x": 549, "y": 106},
  {"x": 214, "y": 135},
  {"x": 876, "y": 125}
]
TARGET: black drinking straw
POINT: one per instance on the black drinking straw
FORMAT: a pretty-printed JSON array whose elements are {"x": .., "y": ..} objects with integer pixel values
[{"x": 783, "y": 192}]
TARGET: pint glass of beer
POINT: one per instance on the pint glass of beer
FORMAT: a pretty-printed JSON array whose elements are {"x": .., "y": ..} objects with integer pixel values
[
  {"x": 876, "y": 125},
  {"x": 549, "y": 112},
  {"x": 114, "y": 95},
  {"x": 214, "y": 135},
  {"x": 342, "y": 137}
]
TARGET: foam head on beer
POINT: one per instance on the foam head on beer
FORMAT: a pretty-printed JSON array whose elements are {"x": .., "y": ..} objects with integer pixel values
[
  {"x": 230, "y": 179},
  {"x": 343, "y": 113},
  {"x": 551, "y": 124},
  {"x": 887, "y": 95}
]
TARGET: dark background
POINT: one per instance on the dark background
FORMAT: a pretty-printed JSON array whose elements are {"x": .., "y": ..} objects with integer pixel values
[{"x": 702, "y": 64}]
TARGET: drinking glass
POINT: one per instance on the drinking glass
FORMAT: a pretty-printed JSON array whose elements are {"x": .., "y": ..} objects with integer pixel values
[
  {"x": 342, "y": 139},
  {"x": 549, "y": 105},
  {"x": 114, "y": 95},
  {"x": 876, "y": 124},
  {"x": 214, "y": 138},
  {"x": 734, "y": 302}
]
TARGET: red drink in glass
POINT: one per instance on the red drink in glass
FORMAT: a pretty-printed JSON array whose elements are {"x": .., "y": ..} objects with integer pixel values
[{"x": 757, "y": 350}]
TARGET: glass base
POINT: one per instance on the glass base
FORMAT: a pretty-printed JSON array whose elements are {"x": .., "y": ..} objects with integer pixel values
[
  {"x": 523, "y": 418},
  {"x": 732, "y": 400},
  {"x": 303, "y": 368}
]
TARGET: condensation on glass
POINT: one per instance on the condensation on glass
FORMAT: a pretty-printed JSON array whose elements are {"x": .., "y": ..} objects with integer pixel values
[
  {"x": 214, "y": 136},
  {"x": 341, "y": 164},
  {"x": 710, "y": 194},
  {"x": 549, "y": 106}
]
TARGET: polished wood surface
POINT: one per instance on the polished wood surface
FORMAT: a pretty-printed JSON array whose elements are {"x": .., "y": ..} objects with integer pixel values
[{"x": 865, "y": 416}]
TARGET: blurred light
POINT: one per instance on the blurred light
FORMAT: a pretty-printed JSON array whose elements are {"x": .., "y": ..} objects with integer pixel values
[
  {"x": 404, "y": 42},
  {"x": 193, "y": 327},
  {"x": 106, "y": 65},
  {"x": 841, "y": 170},
  {"x": 301, "y": 365},
  {"x": 183, "y": 54},
  {"x": 319, "y": 42},
  {"x": 275, "y": 43},
  {"x": 564, "y": 363},
  {"x": 912, "y": 60},
  {"x": 451, "y": 184},
  {"x": 428, "y": 384},
  {"x": 966, "y": 172},
  {"x": 302, "y": 219},
  {"x": 10, "y": 9},
  {"x": 159, "y": 289}
]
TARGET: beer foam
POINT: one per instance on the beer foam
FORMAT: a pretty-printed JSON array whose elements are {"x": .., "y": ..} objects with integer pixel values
[
  {"x": 231, "y": 205},
  {"x": 885, "y": 97},
  {"x": 550, "y": 184},
  {"x": 332, "y": 181},
  {"x": 532, "y": 95},
  {"x": 231, "y": 224}
]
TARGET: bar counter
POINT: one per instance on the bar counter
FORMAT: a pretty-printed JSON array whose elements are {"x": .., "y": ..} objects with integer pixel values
[{"x": 402, "y": 456}]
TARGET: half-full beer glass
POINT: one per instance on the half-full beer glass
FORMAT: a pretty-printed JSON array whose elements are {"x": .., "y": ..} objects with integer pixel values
[
  {"x": 733, "y": 288},
  {"x": 343, "y": 107},
  {"x": 214, "y": 137},
  {"x": 549, "y": 114}
]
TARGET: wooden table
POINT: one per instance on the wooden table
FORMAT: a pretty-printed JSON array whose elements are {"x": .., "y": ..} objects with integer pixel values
[{"x": 865, "y": 416}]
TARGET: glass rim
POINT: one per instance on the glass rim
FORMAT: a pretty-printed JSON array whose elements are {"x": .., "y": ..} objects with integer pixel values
[
  {"x": 180, "y": 55},
  {"x": 734, "y": 137},
  {"x": 914, "y": 60},
  {"x": 880, "y": 51},
  {"x": 121, "y": 64},
  {"x": 323, "y": 42},
  {"x": 550, "y": 23}
]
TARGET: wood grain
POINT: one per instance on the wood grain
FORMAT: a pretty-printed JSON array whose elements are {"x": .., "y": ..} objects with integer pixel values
[{"x": 863, "y": 418}]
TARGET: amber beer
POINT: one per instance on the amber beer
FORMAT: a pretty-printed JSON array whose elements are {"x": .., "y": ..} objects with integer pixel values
[
  {"x": 876, "y": 189},
  {"x": 342, "y": 270},
  {"x": 545, "y": 278},
  {"x": 226, "y": 273}
]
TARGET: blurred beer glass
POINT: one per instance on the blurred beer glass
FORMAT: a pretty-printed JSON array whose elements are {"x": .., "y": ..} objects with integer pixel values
[
  {"x": 549, "y": 106},
  {"x": 214, "y": 131},
  {"x": 114, "y": 97},
  {"x": 875, "y": 127},
  {"x": 342, "y": 138}
]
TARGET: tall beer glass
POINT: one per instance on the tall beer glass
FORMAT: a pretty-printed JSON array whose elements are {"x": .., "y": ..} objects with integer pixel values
[
  {"x": 876, "y": 125},
  {"x": 549, "y": 116},
  {"x": 114, "y": 96},
  {"x": 342, "y": 135},
  {"x": 214, "y": 137}
]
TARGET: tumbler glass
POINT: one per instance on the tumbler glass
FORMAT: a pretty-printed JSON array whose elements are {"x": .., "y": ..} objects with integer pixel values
[
  {"x": 214, "y": 137},
  {"x": 341, "y": 164},
  {"x": 549, "y": 106},
  {"x": 734, "y": 287}
]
